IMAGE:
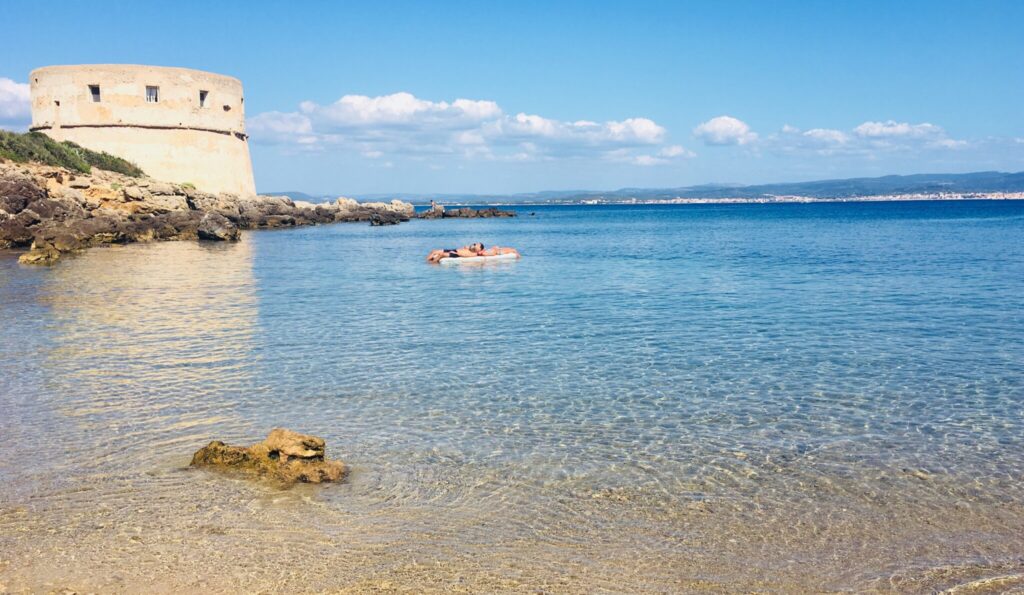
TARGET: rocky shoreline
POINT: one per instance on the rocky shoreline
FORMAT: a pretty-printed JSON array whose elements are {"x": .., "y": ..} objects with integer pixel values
[
  {"x": 439, "y": 212},
  {"x": 53, "y": 211}
]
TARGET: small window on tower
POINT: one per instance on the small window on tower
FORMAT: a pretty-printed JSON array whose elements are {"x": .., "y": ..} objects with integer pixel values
[
  {"x": 152, "y": 94},
  {"x": 202, "y": 98},
  {"x": 94, "y": 90}
]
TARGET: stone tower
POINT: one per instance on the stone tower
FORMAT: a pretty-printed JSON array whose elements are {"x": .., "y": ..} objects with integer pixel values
[{"x": 178, "y": 125}]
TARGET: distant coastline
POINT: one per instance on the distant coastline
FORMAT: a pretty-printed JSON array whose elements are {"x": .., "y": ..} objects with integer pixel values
[
  {"x": 783, "y": 199},
  {"x": 989, "y": 185}
]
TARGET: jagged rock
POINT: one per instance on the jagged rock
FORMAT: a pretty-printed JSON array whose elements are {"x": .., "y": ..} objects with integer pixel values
[
  {"x": 386, "y": 218},
  {"x": 16, "y": 230},
  {"x": 285, "y": 456},
  {"x": 134, "y": 193},
  {"x": 273, "y": 221},
  {"x": 225, "y": 204},
  {"x": 346, "y": 203},
  {"x": 293, "y": 444},
  {"x": 436, "y": 211},
  {"x": 60, "y": 239},
  {"x": 325, "y": 212},
  {"x": 275, "y": 204},
  {"x": 61, "y": 211},
  {"x": 45, "y": 254},
  {"x": 165, "y": 203},
  {"x": 214, "y": 226},
  {"x": 467, "y": 213},
  {"x": 47, "y": 209},
  {"x": 97, "y": 196},
  {"x": 15, "y": 194},
  {"x": 439, "y": 212},
  {"x": 403, "y": 208},
  {"x": 164, "y": 189},
  {"x": 185, "y": 224},
  {"x": 102, "y": 229}
]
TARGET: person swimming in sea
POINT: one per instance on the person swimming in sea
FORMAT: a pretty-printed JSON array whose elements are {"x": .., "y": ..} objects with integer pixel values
[{"x": 474, "y": 249}]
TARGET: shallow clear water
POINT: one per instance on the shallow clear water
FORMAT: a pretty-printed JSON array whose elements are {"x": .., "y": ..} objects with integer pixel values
[{"x": 658, "y": 398}]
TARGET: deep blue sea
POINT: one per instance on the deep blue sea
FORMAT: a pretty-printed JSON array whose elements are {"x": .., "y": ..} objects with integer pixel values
[{"x": 792, "y": 397}]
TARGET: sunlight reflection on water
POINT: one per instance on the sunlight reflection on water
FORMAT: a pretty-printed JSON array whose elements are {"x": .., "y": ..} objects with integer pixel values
[{"x": 811, "y": 397}]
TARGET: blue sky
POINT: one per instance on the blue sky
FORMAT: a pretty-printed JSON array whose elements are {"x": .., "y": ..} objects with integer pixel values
[{"x": 489, "y": 97}]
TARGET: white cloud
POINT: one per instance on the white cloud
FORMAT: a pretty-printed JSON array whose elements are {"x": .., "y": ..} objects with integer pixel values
[
  {"x": 15, "y": 105},
  {"x": 869, "y": 140},
  {"x": 949, "y": 143},
  {"x": 893, "y": 129},
  {"x": 402, "y": 123},
  {"x": 827, "y": 135},
  {"x": 903, "y": 135},
  {"x": 640, "y": 130},
  {"x": 664, "y": 156},
  {"x": 470, "y": 137},
  {"x": 647, "y": 160},
  {"x": 630, "y": 132},
  {"x": 280, "y": 123},
  {"x": 725, "y": 130},
  {"x": 399, "y": 110},
  {"x": 676, "y": 151}
]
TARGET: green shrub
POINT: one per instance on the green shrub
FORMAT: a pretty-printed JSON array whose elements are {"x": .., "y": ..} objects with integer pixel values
[{"x": 37, "y": 147}]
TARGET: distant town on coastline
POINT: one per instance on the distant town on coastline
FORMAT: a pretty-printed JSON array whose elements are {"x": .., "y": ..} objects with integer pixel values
[{"x": 966, "y": 186}]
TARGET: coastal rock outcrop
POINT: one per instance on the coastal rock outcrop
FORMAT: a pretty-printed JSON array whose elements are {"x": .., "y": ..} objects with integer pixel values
[
  {"x": 386, "y": 218},
  {"x": 53, "y": 211},
  {"x": 217, "y": 227},
  {"x": 285, "y": 456},
  {"x": 439, "y": 212}
]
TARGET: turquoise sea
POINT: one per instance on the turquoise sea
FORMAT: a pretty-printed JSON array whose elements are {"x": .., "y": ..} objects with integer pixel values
[{"x": 734, "y": 398}]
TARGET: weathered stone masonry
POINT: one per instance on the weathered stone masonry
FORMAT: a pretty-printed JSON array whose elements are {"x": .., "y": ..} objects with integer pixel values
[{"x": 177, "y": 124}]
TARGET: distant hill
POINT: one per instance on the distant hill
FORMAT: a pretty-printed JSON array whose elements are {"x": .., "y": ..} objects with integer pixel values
[
  {"x": 989, "y": 181},
  {"x": 978, "y": 182}
]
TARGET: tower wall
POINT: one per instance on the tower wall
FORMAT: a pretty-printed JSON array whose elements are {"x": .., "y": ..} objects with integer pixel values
[{"x": 175, "y": 136}]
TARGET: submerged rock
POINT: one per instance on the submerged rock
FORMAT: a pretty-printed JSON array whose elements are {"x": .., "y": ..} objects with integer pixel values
[{"x": 285, "y": 456}]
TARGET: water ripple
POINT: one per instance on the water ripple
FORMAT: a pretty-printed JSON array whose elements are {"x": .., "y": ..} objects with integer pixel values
[{"x": 789, "y": 398}]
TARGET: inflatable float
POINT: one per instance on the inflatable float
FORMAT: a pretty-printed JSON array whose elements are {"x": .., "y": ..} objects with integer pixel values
[{"x": 452, "y": 260}]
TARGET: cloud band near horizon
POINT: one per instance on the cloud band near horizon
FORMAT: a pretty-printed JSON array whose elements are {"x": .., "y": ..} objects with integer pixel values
[{"x": 401, "y": 124}]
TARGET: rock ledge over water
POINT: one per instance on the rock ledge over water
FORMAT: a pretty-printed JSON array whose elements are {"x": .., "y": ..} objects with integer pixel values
[
  {"x": 285, "y": 456},
  {"x": 54, "y": 211},
  {"x": 439, "y": 212}
]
